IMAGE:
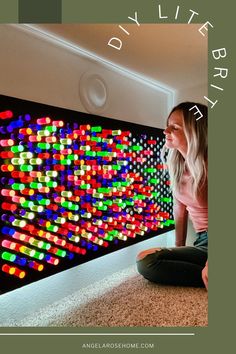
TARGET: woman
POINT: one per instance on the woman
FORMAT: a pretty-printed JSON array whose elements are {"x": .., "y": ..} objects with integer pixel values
[{"x": 186, "y": 143}]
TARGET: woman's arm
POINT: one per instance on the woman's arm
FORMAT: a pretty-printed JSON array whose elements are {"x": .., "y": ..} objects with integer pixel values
[
  {"x": 205, "y": 275},
  {"x": 181, "y": 223}
]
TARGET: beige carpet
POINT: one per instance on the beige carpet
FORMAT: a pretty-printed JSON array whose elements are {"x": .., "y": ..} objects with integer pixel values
[{"x": 125, "y": 299}]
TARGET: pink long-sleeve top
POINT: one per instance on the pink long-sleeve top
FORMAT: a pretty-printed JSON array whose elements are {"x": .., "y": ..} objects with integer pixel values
[{"x": 197, "y": 209}]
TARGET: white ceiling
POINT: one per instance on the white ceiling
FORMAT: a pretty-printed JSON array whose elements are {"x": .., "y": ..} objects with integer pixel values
[{"x": 175, "y": 55}]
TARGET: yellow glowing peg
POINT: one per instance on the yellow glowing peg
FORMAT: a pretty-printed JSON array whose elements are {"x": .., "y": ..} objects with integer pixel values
[{"x": 12, "y": 270}]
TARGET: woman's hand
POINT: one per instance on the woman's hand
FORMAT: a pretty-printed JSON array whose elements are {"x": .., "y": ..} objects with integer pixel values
[{"x": 205, "y": 275}]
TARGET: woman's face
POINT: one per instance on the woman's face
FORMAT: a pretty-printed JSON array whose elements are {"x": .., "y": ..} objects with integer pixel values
[{"x": 175, "y": 136}]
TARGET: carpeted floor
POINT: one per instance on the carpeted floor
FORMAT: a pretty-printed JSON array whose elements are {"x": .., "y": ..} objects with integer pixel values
[{"x": 125, "y": 299}]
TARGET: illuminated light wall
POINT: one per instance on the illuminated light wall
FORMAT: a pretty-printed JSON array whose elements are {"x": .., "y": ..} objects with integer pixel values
[{"x": 74, "y": 187}]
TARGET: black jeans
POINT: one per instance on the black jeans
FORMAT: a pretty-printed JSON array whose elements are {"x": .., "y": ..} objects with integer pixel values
[{"x": 177, "y": 266}]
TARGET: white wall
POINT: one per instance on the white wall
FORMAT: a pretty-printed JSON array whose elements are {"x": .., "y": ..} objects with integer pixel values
[
  {"x": 37, "y": 69},
  {"x": 192, "y": 93}
]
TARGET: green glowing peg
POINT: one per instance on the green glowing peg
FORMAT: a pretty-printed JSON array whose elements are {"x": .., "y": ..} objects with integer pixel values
[
  {"x": 39, "y": 255},
  {"x": 150, "y": 170},
  {"x": 154, "y": 180},
  {"x": 18, "y": 186},
  {"x": 121, "y": 189},
  {"x": 26, "y": 155},
  {"x": 130, "y": 226},
  {"x": 129, "y": 180},
  {"x": 17, "y": 148},
  {"x": 129, "y": 202},
  {"x": 85, "y": 186},
  {"x": 35, "y": 185},
  {"x": 73, "y": 157},
  {"x": 98, "y": 195},
  {"x": 107, "y": 167},
  {"x": 122, "y": 163},
  {"x": 28, "y": 204},
  {"x": 108, "y": 202},
  {"x": 66, "y": 204},
  {"x": 60, "y": 220},
  {"x": 73, "y": 217},
  {"x": 44, "y": 146},
  {"x": 90, "y": 153},
  {"x": 85, "y": 148},
  {"x": 97, "y": 139},
  {"x": 96, "y": 129},
  {"x": 136, "y": 148},
  {"x": 19, "y": 223},
  {"x": 58, "y": 146},
  {"x": 116, "y": 132},
  {"x": 52, "y": 228},
  {"x": 87, "y": 215},
  {"x": 44, "y": 201},
  {"x": 155, "y": 194},
  {"x": 116, "y": 184},
  {"x": 44, "y": 179},
  {"x": 139, "y": 197},
  {"x": 73, "y": 207},
  {"x": 102, "y": 153},
  {"x": 51, "y": 128},
  {"x": 66, "y": 194},
  {"x": 66, "y": 141},
  {"x": 113, "y": 233},
  {"x": 36, "y": 161},
  {"x": 51, "y": 184},
  {"x": 37, "y": 208},
  {"x": 26, "y": 168},
  {"x": 37, "y": 243},
  {"x": 104, "y": 190},
  {"x": 28, "y": 251},
  {"x": 166, "y": 200},
  {"x": 52, "y": 173},
  {"x": 116, "y": 167},
  {"x": 108, "y": 238},
  {"x": 43, "y": 132},
  {"x": 141, "y": 233},
  {"x": 7, "y": 256},
  {"x": 98, "y": 204},
  {"x": 103, "y": 208},
  {"x": 29, "y": 215},
  {"x": 166, "y": 223},
  {"x": 61, "y": 253},
  {"x": 120, "y": 236},
  {"x": 112, "y": 153},
  {"x": 125, "y": 184},
  {"x": 121, "y": 146},
  {"x": 75, "y": 238},
  {"x": 65, "y": 162},
  {"x": 17, "y": 161},
  {"x": 121, "y": 205},
  {"x": 46, "y": 246},
  {"x": 108, "y": 141},
  {"x": 85, "y": 167}
]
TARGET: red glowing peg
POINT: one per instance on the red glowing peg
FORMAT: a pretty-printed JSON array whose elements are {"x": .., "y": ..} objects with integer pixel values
[{"x": 6, "y": 114}]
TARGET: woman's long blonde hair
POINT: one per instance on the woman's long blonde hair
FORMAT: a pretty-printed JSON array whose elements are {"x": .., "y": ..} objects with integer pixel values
[{"x": 196, "y": 159}]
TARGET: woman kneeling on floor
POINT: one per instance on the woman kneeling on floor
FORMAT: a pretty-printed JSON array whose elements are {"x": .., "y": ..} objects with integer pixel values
[{"x": 186, "y": 144}]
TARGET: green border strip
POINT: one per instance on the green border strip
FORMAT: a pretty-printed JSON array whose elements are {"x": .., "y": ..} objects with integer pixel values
[
  {"x": 8, "y": 11},
  {"x": 34, "y": 11}
]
